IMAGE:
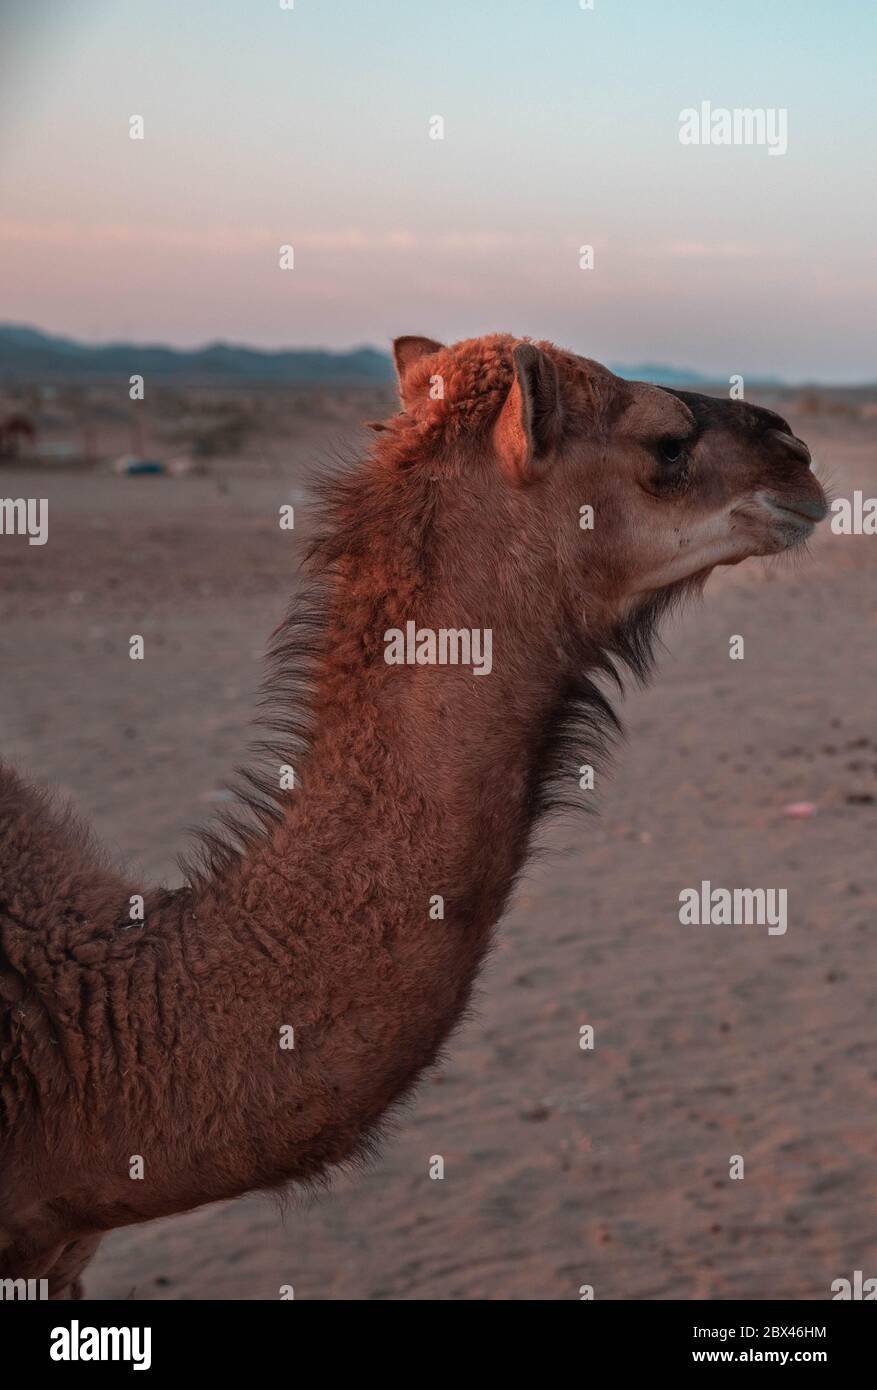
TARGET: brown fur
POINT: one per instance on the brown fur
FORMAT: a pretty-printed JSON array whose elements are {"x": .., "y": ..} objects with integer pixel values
[{"x": 311, "y": 909}]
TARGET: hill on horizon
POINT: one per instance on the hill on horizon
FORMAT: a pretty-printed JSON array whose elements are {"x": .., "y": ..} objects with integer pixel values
[{"x": 27, "y": 353}]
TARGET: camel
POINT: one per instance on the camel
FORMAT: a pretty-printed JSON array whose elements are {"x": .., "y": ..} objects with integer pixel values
[{"x": 260, "y": 1023}]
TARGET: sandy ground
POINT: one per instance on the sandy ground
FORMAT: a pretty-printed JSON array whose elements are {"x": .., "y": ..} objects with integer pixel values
[{"x": 562, "y": 1167}]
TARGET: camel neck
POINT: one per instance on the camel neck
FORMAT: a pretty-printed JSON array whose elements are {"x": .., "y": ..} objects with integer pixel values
[
  {"x": 436, "y": 761},
  {"x": 369, "y": 908}
]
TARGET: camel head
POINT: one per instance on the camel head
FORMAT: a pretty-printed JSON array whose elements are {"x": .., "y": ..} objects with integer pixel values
[{"x": 629, "y": 489}]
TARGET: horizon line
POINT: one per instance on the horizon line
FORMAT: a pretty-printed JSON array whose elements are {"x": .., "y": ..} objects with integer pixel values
[{"x": 761, "y": 378}]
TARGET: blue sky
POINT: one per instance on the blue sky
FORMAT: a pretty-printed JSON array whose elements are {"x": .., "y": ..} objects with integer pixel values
[{"x": 310, "y": 127}]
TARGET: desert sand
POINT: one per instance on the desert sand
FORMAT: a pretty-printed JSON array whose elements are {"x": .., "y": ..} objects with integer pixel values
[{"x": 563, "y": 1167}]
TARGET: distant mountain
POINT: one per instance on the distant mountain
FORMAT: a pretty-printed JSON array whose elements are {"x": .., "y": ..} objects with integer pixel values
[
  {"x": 660, "y": 374},
  {"x": 682, "y": 377},
  {"x": 28, "y": 354}
]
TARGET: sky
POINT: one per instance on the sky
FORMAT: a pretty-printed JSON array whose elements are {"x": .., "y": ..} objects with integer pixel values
[{"x": 310, "y": 127}]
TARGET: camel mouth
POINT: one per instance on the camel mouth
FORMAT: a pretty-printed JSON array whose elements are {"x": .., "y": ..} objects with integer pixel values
[{"x": 803, "y": 512}]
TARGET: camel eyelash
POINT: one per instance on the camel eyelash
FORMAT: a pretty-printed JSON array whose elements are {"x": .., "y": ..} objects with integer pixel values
[
  {"x": 673, "y": 451},
  {"x": 673, "y": 472}
]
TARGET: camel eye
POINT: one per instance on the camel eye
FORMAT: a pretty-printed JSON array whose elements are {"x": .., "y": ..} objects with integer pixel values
[
  {"x": 672, "y": 476},
  {"x": 672, "y": 450}
]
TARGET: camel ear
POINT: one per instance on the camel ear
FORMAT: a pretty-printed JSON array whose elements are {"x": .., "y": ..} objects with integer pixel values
[
  {"x": 529, "y": 425},
  {"x": 406, "y": 353}
]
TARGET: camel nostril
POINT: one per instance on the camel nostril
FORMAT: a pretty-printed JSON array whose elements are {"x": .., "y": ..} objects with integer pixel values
[{"x": 791, "y": 444}]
